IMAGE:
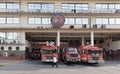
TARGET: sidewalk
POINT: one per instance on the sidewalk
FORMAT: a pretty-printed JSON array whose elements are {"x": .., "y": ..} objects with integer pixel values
[{"x": 10, "y": 62}]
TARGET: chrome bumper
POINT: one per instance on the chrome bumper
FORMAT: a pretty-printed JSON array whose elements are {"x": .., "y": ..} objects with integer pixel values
[
  {"x": 96, "y": 61},
  {"x": 48, "y": 60}
]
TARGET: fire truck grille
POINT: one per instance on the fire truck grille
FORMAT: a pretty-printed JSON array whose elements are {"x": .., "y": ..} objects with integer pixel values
[
  {"x": 73, "y": 55},
  {"x": 49, "y": 57},
  {"x": 95, "y": 58}
]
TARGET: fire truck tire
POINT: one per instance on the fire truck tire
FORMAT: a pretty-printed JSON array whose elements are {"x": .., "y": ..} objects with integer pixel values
[{"x": 65, "y": 61}]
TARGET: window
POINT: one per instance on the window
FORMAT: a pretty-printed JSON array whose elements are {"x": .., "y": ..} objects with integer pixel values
[
  {"x": 47, "y": 6},
  {"x": 9, "y": 20},
  {"x": 2, "y": 35},
  {"x": 70, "y": 21},
  {"x": 2, "y": 20},
  {"x": 78, "y": 6},
  {"x": 13, "y": 20},
  {"x": 98, "y": 21},
  {"x": 117, "y": 20},
  {"x": 66, "y": 20},
  {"x": 84, "y": 20},
  {"x": 98, "y": 6},
  {"x": 9, "y": 48},
  {"x": 51, "y": 6},
  {"x": 111, "y": 20},
  {"x": 37, "y": 20},
  {"x": 78, "y": 21},
  {"x": 13, "y": 6},
  {"x": 71, "y": 6},
  {"x": 45, "y": 20},
  {"x": 84, "y": 6},
  {"x": 111, "y": 6},
  {"x": 2, "y": 5},
  {"x": 108, "y": 6},
  {"x": 117, "y": 6},
  {"x": 30, "y": 6},
  {"x": 12, "y": 35},
  {"x": 31, "y": 20},
  {"x": 2, "y": 48},
  {"x": 75, "y": 6},
  {"x": 104, "y": 6},
  {"x": 105, "y": 21},
  {"x": 44, "y": 6},
  {"x": 101, "y": 20},
  {"x": 37, "y": 6},
  {"x": 64, "y": 6},
  {"x": 16, "y": 20},
  {"x": 17, "y": 48}
]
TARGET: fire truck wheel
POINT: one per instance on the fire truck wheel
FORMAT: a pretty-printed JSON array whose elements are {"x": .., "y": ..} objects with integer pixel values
[{"x": 65, "y": 61}]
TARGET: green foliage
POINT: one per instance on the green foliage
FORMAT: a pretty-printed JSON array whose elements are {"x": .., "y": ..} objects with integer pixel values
[{"x": 13, "y": 54}]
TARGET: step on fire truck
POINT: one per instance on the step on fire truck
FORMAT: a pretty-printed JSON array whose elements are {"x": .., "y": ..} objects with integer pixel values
[
  {"x": 91, "y": 54},
  {"x": 70, "y": 55},
  {"x": 48, "y": 51}
]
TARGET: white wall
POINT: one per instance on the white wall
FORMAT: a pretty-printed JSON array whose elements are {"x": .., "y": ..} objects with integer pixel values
[
  {"x": 115, "y": 45},
  {"x": 22, "y": 47},
  {"x": 27, "y": 44}
]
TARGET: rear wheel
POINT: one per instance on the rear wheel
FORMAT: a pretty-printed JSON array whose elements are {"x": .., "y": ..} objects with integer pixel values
[{"x": 65, "y": 61}]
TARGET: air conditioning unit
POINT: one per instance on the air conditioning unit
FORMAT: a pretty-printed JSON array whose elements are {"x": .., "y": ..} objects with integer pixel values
[
  {"x": 71, "y": 26},
  {"x": 103, "y": 26},
  {"x": 42, "y": 27},
  {"x": 95, "y": 26},
  {"x": 38, "y": 27},
  {"x": 84, "y": 26}
]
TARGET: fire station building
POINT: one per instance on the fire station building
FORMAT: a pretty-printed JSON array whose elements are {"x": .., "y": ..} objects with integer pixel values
[{"x": 28, "y": 24}]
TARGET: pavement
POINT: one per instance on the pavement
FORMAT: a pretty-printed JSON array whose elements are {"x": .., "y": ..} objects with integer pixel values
[
  {"x": 37, "y": 67},
  {"x": 10, "y": 62}
]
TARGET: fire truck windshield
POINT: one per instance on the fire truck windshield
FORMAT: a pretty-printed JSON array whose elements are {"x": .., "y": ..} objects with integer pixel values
[
  {"x": 49, "y": 51},
  {"x": 71, "y": 50},
  {"x": 94, "y": 51}
]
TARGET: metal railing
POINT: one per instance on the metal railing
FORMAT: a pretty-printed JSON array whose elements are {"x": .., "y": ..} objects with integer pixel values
[{"x": 73, "y": 11}]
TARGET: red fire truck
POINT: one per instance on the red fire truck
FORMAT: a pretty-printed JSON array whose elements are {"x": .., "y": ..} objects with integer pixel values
[
  {"x": 47, "y": 53},
  {"x": 69, "y": 55},
  {"x": 91, "y": 54},
  {"x": 35, "y": 54}
]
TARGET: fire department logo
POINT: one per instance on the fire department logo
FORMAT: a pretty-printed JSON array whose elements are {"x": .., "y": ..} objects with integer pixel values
[{"x": 57, "y": 20}]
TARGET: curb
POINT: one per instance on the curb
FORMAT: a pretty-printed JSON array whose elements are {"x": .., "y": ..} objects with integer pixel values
[{"x": 13, "y": 62}]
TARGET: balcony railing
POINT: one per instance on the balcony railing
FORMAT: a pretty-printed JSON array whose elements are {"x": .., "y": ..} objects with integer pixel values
[
  {"x": 73, "y": 11},
  {"x": 13, "y": 42}
]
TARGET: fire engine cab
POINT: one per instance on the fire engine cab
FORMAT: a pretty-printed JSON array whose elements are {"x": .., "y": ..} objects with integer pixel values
[
  {"x": 48, "y": 51},
  {"x": 91, "y": 54},
  {"x": 69, "y": 55}
]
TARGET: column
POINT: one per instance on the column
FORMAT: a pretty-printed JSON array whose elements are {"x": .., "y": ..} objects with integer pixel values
[
  {"x": 22, "y": 45},
  {"x": 22, "y": 37},
  {"x": 83, "y": 41},
  {"x": 58, "y": 6},
  {"x": 58, "y": 39},
  {"x": 92, "y": 38}
]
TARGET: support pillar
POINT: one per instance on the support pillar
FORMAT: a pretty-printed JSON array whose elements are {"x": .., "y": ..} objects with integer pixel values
[
  {"x": 83, "y": 41},
  {"x": 92, "y": 38},
  {"x": 58, "y": 39}
]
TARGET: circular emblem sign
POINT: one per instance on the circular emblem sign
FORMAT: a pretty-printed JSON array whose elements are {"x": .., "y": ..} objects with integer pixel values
[{"x": 57, "y": 20}]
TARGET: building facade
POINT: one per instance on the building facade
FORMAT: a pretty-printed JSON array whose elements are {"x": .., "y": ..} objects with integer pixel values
[{"x": 28, "y": 24}]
